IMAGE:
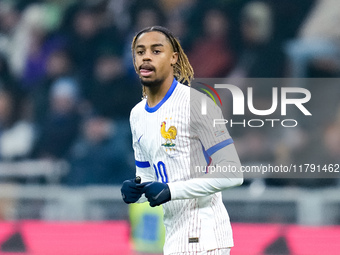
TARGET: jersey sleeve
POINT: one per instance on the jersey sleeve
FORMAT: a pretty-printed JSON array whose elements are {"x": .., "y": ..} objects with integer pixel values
[
  {"x": 207, "y": 127},
  {"x": 213, "y": 182}
]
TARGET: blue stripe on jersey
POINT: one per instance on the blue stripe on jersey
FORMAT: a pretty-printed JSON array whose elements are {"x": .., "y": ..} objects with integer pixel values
[
  {"x": 219, "y": 146},
  {"x": 167, "y": 95},
  {"x": 142, "y": 164},
  {"x": 206, "y": 156}
]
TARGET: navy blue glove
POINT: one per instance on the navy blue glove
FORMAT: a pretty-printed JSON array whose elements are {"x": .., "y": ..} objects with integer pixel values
[
  {"x": 157, "y": 193},
  {"x": 130, "y": 192}
]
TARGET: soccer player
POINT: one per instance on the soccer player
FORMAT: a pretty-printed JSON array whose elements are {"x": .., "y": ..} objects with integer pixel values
[{"x": 170, "y": 139}]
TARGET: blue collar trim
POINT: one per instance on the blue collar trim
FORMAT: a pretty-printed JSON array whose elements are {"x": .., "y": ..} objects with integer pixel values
[{"x": 167, "y": 95}]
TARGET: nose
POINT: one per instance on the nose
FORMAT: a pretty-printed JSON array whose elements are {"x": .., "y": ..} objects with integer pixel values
[{"x": 147, "y": 56}]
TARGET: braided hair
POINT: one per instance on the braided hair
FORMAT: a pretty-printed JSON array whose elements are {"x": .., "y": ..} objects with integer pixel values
[{"x": 183, "y": 70}]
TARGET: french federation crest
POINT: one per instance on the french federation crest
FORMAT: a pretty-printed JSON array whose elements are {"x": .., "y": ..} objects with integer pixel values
[{"x": 169, "y": 135}]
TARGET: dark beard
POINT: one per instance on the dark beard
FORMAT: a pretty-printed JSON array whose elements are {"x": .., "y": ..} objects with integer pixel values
[{"x": 151, "y": 84}]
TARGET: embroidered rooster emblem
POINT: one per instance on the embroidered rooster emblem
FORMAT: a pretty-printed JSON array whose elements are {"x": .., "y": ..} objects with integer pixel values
[{"x": 168, "y": 135}]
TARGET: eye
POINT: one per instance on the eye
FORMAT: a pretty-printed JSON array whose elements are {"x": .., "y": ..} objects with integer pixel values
[
  {"x": 156, "y": 51},
  {"x": 140, "y": 52}
]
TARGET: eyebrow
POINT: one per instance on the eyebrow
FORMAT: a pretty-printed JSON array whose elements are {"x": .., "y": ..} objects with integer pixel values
[{"x": 153, "y": 45}]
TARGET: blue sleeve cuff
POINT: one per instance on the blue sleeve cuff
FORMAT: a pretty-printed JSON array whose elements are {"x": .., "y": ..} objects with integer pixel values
[
  {"x": 142, "y": 164},
  {"x": 219, "y": 146}
]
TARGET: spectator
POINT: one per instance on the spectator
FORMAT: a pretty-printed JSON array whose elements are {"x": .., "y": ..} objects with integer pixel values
[
  {"x": 16, "y": 135},
  {"x": 331, "y": 140},
  {"x": 110, "y": 92},
  {"x": 179, "y": 26},
  {"x": 85, "y": 38},
  {"x": 261, "y": 55},
  {"x": 177, "y": 5},
  {"x": 318, "y": 41},
  {"x": 60, "y": 125},
  {"x": 58, "y": 65},
  {"x": 9, "y": 19},
  {"x": 213, "y": 47},
  {"x": 29, "y": 59},
  {"x": 7, "y": 81},
  {"x": 143, "y": 14},
  {"x": 102, "y": 154}
]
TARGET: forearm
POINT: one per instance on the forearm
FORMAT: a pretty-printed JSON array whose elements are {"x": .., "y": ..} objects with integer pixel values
[
  {"x": 201, "y": 187},
  {"x": 211, "y": 182}
]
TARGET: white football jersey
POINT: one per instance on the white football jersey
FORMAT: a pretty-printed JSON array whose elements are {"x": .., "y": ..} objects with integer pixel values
[{"x": 169, "y": 140}]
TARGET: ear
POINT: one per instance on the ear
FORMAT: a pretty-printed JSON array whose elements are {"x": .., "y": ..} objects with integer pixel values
[{"x": 174, "y": 58}]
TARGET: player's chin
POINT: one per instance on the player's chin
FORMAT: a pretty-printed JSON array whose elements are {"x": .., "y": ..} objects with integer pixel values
[{"x": 150, "y": 82}]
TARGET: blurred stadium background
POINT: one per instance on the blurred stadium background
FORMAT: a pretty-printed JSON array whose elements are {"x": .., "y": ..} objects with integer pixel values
[{"x": 67, "y": 85}]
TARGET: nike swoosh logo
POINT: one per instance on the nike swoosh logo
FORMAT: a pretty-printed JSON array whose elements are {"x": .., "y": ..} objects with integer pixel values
[
  {"x": 140, "y": 138},
  {"x": 156, "y": 197}
]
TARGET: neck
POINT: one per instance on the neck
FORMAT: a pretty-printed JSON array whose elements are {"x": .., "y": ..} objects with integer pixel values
[{"x": 157, "y": 93}]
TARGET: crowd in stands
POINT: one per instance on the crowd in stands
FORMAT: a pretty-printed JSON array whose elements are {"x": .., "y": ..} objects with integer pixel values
[{"x": 67, "y": 83}]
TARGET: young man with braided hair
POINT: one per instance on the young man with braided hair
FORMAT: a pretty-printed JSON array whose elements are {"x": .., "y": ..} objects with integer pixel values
[{"x": 170, "y": 138}]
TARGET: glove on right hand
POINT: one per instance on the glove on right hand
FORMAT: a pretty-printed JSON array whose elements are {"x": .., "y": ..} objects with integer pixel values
[{"x": 130, "y": 191}]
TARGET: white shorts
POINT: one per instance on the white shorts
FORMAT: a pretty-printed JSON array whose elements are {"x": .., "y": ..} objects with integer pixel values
[{"x": 225, "y": 251}]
